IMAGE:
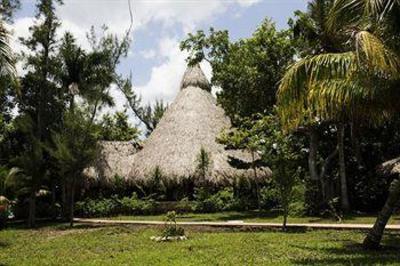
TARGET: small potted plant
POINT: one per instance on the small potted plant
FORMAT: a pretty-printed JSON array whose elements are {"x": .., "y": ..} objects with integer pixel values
[{"x": 171, "y": 231}]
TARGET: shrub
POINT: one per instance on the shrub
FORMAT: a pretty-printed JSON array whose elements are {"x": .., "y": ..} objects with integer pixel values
[
  {"x": 223, "y": 200},
  {"x": 247, "y": 193},
  {"x": 269, "y": 197},
  {"x": 297, "y": 207},
  {"x": 130, "y": 205},
  {"x": 184, "y": 205},
  {"x": 171, "y": 228},
  {"x": 97, "y": 207},
  {"x": 113, "y": 206}
]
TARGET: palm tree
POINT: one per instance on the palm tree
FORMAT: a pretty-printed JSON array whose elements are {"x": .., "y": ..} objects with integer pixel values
[
  {"x": 6, "y": 56},
  {"x": 316, "y": 40},
  {"x": 27, "y": 177},
  {"x": 75, "y": 147},
  {"x": 361, "y": 82}
]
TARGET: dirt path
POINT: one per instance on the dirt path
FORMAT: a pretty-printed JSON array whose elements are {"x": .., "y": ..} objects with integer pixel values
[{"x": 240, "y": 224}]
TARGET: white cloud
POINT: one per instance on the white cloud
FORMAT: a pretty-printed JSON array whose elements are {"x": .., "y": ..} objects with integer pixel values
[
  {"x": 148, "y": 54},
  {"x": 20, "y": 29},
  {"x": 165, "y": 77},
  {"x": 115, "y": 14},
  {"x": 247, "y": 3},
  {"x": 78, "y": 16}
]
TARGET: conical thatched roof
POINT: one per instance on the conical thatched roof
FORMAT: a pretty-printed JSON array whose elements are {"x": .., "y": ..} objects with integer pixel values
[
  {"x": 191, "y": 122},
  {"x": 194, "y": 77},
  {"x": 114, "y": 158}
]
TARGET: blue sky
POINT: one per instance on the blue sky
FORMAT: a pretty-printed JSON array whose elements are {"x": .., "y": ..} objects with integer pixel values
[{"x": 154, "y": 58}]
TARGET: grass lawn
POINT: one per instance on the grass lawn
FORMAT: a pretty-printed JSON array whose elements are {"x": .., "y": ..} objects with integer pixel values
[
  {"x": 58, "y": 245},
  {"x": 254, "y": 216}
]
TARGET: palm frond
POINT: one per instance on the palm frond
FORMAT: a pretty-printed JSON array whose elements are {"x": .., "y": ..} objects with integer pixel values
[
  {"x": 303, "y": 76},
  {"x": 6, "y": 55},
  {"x": 378, "y": 57},
  {"x": 345, "y": 12},
  {"x": 309, "y": 70},
  {"x": 379, "y": 8}
]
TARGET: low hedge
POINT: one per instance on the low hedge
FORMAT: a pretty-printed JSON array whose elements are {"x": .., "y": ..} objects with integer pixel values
[{"x": 132, "y": 205}]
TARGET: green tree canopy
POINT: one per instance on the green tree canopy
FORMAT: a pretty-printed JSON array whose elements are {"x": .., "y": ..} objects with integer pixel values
[
  {"x": 117, "y": 128},
  {"x": 247, "y": 71}
]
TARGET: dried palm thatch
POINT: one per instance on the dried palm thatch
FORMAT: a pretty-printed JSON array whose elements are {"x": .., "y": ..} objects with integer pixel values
[
  {"x": 114, "y": 159},
  {"x": 391, "y": 167},
  {"x": 192, "y": 121},
  {"x": 194, "y": 77}
]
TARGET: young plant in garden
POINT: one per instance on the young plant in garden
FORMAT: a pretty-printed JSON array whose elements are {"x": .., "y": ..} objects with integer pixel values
[
  {"x": 282, "y": 156},
  {"x": 171, "y": 228}
]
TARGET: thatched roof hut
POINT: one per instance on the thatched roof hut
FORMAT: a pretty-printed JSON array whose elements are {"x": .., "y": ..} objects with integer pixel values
[
  {"x": 193, "y": 121},
  {"x": 114, "y": 159}
]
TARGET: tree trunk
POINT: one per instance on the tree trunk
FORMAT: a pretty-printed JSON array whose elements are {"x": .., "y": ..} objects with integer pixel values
[
  {"x": 342, "y": 170},
  {"x": 253, "y": 165},
  {"x": 326, "y": 185},
  {"x": 374, "y": 236},
  {"x": 356, "y": 144},
  {"x": 315, "y": 177},
  {"x": 32, "y": 210},
  {"x": 64, "y": 199},
  {"x": 312, "y": 156},
  {"x": 53, "y": 199},
  {"x": 285, "y": 216},
  {"x": 71, "y": 204},
  {"x": 284, "y": 228}
]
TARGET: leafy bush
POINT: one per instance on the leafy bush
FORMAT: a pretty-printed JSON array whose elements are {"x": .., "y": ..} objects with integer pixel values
[
  {"x": 269, "y": 197},
  {"x": 97, "y": 207},
  {"x": 113, "y": 206},
  {"x": 171, "y": 228},
  {"x": 297, "y": 207},
  {"x": 206, "y": 200},
  {"x": 134, "y": 205},
  {"x": 223, "y": 200},
  {"x": 184, "y": 205}
]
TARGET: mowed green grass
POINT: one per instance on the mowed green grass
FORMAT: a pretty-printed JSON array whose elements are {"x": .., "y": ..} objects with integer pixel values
[
  {"x": 255, "y": 216},
  {"x": 117, "y": 245}
]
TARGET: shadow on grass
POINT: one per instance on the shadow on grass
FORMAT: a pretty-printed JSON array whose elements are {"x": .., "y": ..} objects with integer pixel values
[
  {"x": 53, "y": 225},
  {"x": 4, "y": 244},
  {"x": 353, "y": 253}
]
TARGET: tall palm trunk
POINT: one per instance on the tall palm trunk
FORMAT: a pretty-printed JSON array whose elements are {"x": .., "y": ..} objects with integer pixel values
[
  {"x": 64, "y": 204},
  {"x": 72, "y": 202},
  {"x": 356, "y": 144},
  {"x": 319, "y": 175},
  {"x": 312, "y": 156},
  {"x": 53, "y": 199},
  {"x": 374, "y": 237},
  {"x": 345, "y": 204},
  {"x": 32, "y": 210},
  {"x": 285, "y": 217},
  {"x": 315, "y": 177},
  {"x": 254, "y": 167}
]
